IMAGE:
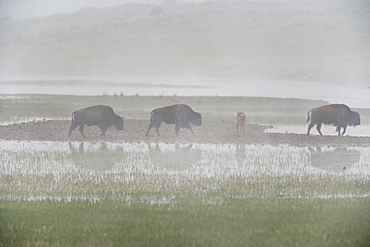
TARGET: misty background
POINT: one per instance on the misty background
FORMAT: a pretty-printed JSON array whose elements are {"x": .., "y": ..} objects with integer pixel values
[{"x": 292, "y": 44}]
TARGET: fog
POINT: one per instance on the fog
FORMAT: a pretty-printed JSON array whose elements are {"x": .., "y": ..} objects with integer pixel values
[
  {"x": 296, "y": 49},
  {"x": 22, "y": 9},
  {"x": 300, "y": 49}
]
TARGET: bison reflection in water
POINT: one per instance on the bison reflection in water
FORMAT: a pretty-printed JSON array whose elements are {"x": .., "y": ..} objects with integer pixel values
[
  {"x": 100, "y": 160},
  {"x": 336, "y": 160},
  {"x": 100, "y": 115},
  {"x": 240, "y": 154},
  {"x": 182, "y": 158},
  {"x": 339, "y": 115},
  {"x": 180, "y": 115}
]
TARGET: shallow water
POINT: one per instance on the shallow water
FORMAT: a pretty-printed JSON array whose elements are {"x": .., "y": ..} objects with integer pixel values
[
  {"x": 330, "y": 130},
  {"x": 170, "y": 173}
]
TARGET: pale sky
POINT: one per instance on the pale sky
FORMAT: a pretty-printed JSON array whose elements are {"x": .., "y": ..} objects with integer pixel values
[{"x": 21, "y": 9}]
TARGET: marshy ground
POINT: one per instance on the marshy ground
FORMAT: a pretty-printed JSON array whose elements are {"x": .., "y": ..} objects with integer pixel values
[
  {"x": 259, "y": 187},
  {"x": 216, "y": 132}
]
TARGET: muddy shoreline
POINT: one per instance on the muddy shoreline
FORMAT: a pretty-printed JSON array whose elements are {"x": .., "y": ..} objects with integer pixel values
[{"x": 135, "y": 129}]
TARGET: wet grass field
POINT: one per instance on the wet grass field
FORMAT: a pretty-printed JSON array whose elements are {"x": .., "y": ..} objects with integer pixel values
[
  {"x": 177, "y": 173},
  {"x": 102, "y": 193},
  {"x": 57, "y": 193}
]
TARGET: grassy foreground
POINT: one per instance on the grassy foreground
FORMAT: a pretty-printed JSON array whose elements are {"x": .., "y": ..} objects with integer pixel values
[{"x": 252, "y": 222}]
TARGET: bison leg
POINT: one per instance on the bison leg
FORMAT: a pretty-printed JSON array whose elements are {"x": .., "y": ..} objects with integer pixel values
[
  {"x": 338, "y": 130},
  {"x": 147, "y": 132},
  {"x": 73, "y": 126},
  {"x": 177, "y": 129},
  {"x": 188, "y": 126},
  {"x": 309, "y": 128},
  {"x": 318, "y": 127},
  {"x": 82, "y": 130},
  {"x": 151, "y": 125},
  {"x": 157, "y": 128},
  {"x": 103, "y": 130},
  {"x": 185, "y": 125}
]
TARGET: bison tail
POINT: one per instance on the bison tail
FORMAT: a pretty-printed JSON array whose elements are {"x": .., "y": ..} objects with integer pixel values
[
  {"x": 308, "y": 116},
  {"x": 152, "y": 116}
]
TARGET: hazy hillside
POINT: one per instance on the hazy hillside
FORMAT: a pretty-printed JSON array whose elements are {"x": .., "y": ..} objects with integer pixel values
[{"x": 295, "y": 40}]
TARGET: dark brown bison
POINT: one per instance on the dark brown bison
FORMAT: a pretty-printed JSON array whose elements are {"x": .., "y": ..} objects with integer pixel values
[
  {"x": 339, "y": 115},
  {"x": 180, "y": 115},
  {"x": 100, "y": 115}
]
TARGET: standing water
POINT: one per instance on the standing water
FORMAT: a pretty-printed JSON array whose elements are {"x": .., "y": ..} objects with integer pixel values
[{"x": 170, "y": 173}]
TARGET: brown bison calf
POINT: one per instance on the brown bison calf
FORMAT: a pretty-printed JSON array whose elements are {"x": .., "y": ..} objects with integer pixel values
[
  {"x": 339, "y": 115},
  {"x": 240, "y": 121},
  {"x": 100, "y": 115}
]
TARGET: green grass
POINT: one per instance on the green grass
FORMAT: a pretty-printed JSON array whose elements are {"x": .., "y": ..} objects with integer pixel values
[
  {"x": 252, "y": 222},
  {"x": 261, "y": 110},
  {"x": 258, "y": 109}
]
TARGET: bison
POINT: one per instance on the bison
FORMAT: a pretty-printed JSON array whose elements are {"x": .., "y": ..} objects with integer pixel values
[
  {"x": 100, "y": 115},
  {"x": 240, "y": 121},
  {"x": 180, "y": 115},
  {"x": 338, "y": 114}
]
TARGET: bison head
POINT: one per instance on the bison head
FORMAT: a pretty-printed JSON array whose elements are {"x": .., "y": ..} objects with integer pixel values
[
  {"x": 355, "y": 119},
  {"x": 119, "y": 123},
  {"x": 197, "y": 120}
]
